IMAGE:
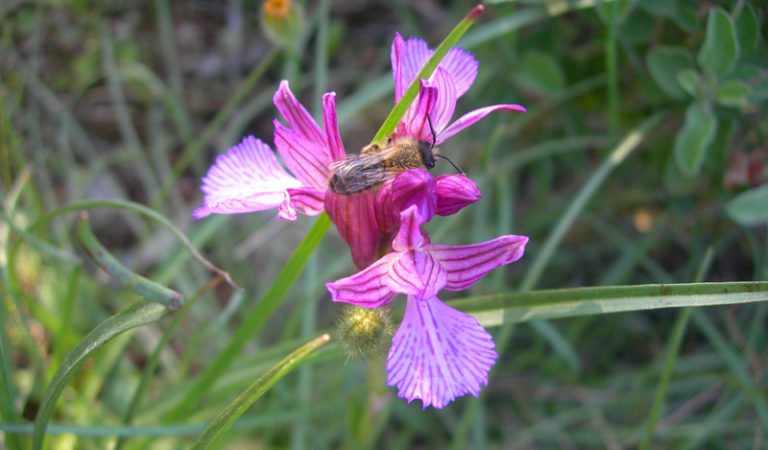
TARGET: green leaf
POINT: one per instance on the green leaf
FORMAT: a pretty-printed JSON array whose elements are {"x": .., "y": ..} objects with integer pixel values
[
  {"x": 492, "y": 310},
  {"x": 540, "y": 72},
  {"x": 721, "y": 48},
  {"x": 665, "y": 63},
  {"x": 686, "y": 16},
  {"x": 239, "y": 405},
  {"x": 692, "y": 141},
  {"x": 138, "y": 314},
  {"x": 750, "y": 207},
  {"x": 747, "y": 28},
  {"x": 733, "y": 93},
  {"x": 689, "y": 80},
  {"x": 637, "y": 28}
]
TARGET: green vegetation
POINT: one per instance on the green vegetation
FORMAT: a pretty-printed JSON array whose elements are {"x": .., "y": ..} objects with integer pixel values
[{"x": 636, "y": 318}]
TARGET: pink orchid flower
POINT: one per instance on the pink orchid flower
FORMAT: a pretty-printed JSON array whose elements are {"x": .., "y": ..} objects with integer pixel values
[
  {"x": 438, "y": 353},
  {"x": 438, "y": 95},
  {"x": 249, "y": 178}
]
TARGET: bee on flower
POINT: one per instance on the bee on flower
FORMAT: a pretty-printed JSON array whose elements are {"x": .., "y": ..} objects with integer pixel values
[{"x": 378, "y": 199}]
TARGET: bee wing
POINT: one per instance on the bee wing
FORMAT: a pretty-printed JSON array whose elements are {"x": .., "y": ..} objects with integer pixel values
[
  {"x": 362, "y": 161},
  {"x": 361, "y": 171}
]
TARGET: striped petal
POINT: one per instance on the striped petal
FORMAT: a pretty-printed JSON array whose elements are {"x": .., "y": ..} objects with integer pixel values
[
  {"x": 412, "y": 187},
  {"x": 462, "y": 67},
  {"x": 410, "y": 236},
  {"x": 247, "y": 178},
  {"x": 415, "y": 123},
  {"x": 355, "y": 218},
  {"x": 298, "y": 118},
  {"x": 445, "y": 103},
  {"x": 331, "y": 128},
  {"x": 307, "y": 201},
  {"x": 305, "y": 159},
  {"x": 408, "y": 57},
  {"x": 366, "y": 288},
  {"x": 438, "y": 354},
  {"x": 302, "y": 145},
  {"x": 454, "y": 192},
  {"x": 415, "y": 273},
  {"x": 471, "y": 118},
  {"x": 465, "y": 264}
]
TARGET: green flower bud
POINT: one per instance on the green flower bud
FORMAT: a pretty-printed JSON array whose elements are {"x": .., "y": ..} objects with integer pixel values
[
  {"x": 364, "y": 331},
  {"x": 282, "y": 21}
]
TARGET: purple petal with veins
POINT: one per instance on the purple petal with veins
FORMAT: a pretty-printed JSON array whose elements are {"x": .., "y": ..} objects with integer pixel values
[
  {"x": 246, "y": 178},
  {"x": 304, "y": 200},
  {"x": 438, "y": 354},
  {"x": 465, "y": 264},
  {"x": 454, "y": 192},
  {"x": 473, "y": 117},
  {"x": 366, "y": 288}
]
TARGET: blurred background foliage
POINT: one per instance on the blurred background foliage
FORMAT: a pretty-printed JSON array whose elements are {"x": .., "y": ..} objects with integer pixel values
[{"x": 107, "y": 102}]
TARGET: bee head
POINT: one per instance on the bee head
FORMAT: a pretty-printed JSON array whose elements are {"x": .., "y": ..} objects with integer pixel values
[{"x": 428, "y": 152}]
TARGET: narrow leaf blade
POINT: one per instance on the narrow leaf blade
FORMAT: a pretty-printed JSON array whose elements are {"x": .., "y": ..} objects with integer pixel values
[
  {"x": 239, "y": 405},
  {"x": 138, "y": 314}
]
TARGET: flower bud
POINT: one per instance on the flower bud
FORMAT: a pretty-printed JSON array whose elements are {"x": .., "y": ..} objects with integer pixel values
[
  {"x": 364, "y": 331},
  {"x": 283, "y": 21}
]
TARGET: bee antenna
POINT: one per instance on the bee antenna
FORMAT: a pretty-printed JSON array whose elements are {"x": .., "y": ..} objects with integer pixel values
[
  {"x": 434, "y": 136},
  {"x": 447, "y": 159}
]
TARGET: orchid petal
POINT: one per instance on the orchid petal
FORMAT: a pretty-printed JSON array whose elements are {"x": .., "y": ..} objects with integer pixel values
[
  {"x": 355, "y": 218},
  {"x": 473, "y": 117},
  {"x": 396, "y": 56},
  {"x": 286, "y": 211},
  {"x": 415, "y": 273},
  {"x": 331, "y": 127},
  {"x": 438, "y": 354},
  {"x": 367, "y": 287},
  {"x": 307, "y": 160},
  {"x": 411, "y": 187},
  {"x": 462, "y": 67},
  {"x": 298, "y": 118},
  {"x": 306, "y": 200},
  {"x": 407, "y": 60},
  {"x": 454, "y": 192},
  {"x": 410, "y": 236},
  {"x": 414, "y": 122},
  {"x": 445, "y": 103},
  {"x": 465, "y": 264},
  {"x": 247, "y": 178}
]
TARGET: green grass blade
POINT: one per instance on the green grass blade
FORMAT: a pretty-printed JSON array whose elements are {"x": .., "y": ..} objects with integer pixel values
[
  {"x": 138, "y": 314},
  {"x": 673, "y": 348},
  {"x": 256, "y": 318},
  {"x": 630, "y": 142},
  {"x": 611, "y": 67},
  {"x": 145, "y": 211},
  {"x": 39, "y": 244},
  {"x": 154, "y": 359},
  {"x": 235, "y": 409},
  {"x": 492, "y": 310},
  {"x": 736, "y": 364},
  {"x": 140, "y": 285}
]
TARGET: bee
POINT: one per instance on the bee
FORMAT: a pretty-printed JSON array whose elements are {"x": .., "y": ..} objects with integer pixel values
[{"x": 380, "y": 161}]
